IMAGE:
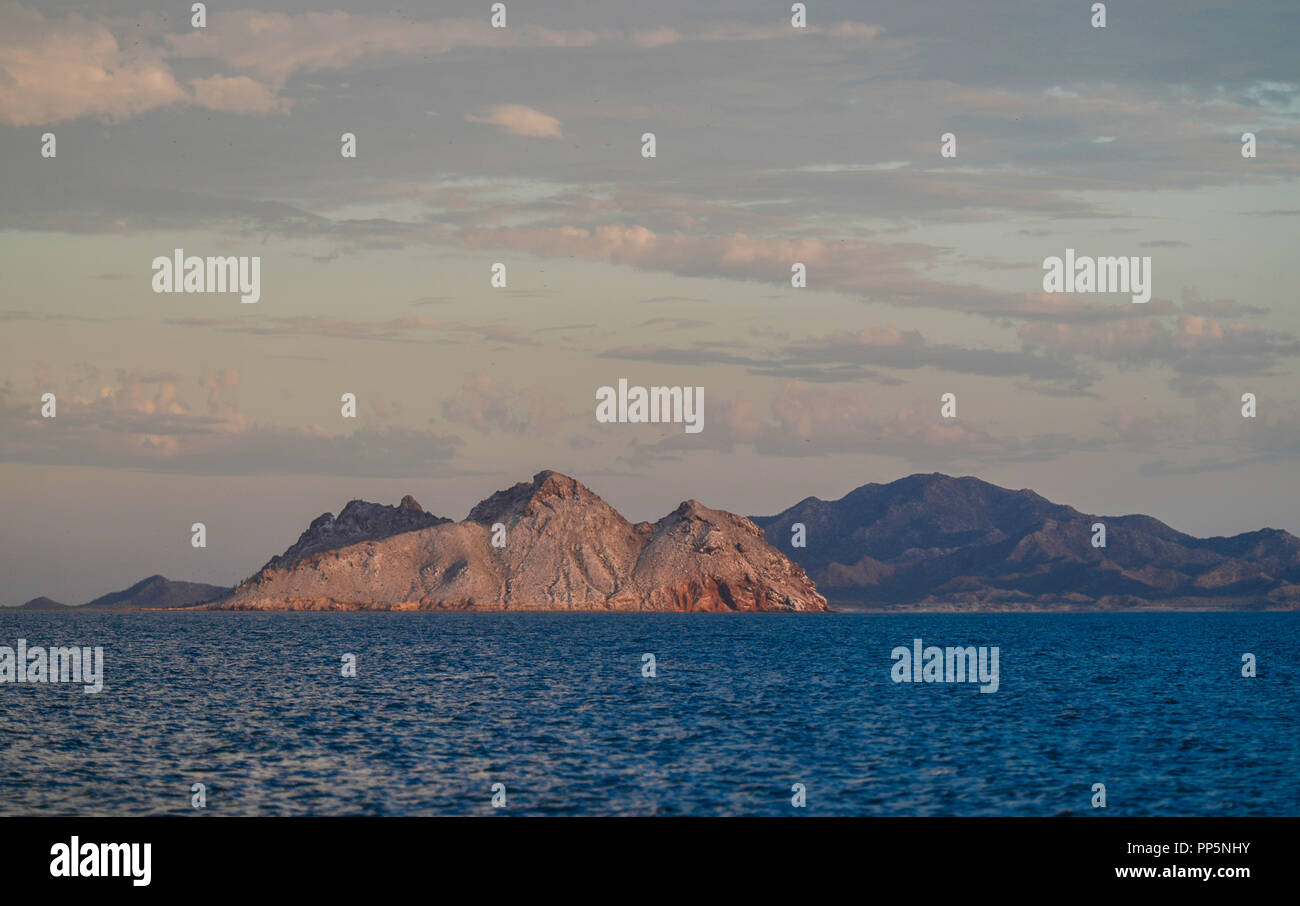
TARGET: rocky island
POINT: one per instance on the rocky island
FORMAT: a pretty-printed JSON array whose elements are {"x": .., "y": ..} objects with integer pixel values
[{"x": 548, "y": 544}]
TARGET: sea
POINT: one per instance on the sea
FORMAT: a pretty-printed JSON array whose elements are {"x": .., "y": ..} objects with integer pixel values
[{"x": 742, "y": 714}]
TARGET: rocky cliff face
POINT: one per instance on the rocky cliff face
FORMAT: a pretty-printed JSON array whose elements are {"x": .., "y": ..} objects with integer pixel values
[
  {"x": 961, "y": 543},
  {"x": 564, "y": 549},
  {"x": 358, "y": 521}
]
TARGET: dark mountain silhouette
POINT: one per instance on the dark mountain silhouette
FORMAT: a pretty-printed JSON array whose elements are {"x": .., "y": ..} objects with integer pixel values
[
  {"x": 42, "y": 603},
  {"x": 939, "y": 542},
  {"x": 158, "y": 591},
  {"x": 562, "y": 548},
  {"x": 153, "y": 592}
]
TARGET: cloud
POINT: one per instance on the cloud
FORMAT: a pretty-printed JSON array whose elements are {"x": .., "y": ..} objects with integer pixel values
[
  {"x": 52, "y": 71},
  {"x": 892, "y": 273},
  {"x": 401, "y": 330},
  {"x": 849, "y": 265},
  {"x": 1191, "y": 344},
  {"x": 517, "y": 119},
  {"x": 409, "y": 329},
  {"x": 276, "y": 45},
  {"x": 485, "y": 405},
  {"x": 238, "y": 94},
  {"x": 1192, "y": 386},
  {"x": 675, "y": 323},
  {"x": 144, "y": 421},
  {"x": 808, "y": 420},
  {"x": 742, "y": 31},
  {"x": 857, "y": 355},
  {"x": 894, "y": 348},
  {"x": 222, "y": 388},
  {"x": 58, "y": 69},
  {"x": 22, "y": 315}
]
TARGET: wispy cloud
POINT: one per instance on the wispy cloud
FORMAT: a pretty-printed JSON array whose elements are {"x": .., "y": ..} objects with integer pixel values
[
  {"x": 516, "y": 119},
  {"x": 158, "y": 423}
]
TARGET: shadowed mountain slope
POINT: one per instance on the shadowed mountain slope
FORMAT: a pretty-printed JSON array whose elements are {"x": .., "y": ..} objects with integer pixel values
[{"x": 961, "y": 543}]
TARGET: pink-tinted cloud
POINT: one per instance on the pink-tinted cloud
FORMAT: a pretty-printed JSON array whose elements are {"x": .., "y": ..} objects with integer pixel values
[
  {"x": 52, "y": 71},
  {"x": 276, "y": 45},
  {"x": 1188, "y": 342},
  {"x": 147, "y": 421},
  {"x": 741, "y": 31},
  {"x": 517, "y": 119},
  {"x": 237, "y": 94},
  {"x": 813, "y": 420},
  {"x": 849, "y": 265},
  {"x": 58, "y": 69}
]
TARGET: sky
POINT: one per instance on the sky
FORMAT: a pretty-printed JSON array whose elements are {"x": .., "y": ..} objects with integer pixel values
[{"x": 523, "y": 146}]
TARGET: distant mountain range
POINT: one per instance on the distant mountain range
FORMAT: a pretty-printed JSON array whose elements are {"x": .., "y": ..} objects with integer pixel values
[
  {"x": 925, "y": 542},
  {"x": 153, "y": 592},
  {"x": 943, "y": 543}
]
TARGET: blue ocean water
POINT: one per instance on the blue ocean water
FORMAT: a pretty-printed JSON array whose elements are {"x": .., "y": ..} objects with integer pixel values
[{"x": 555, "y": 707}]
